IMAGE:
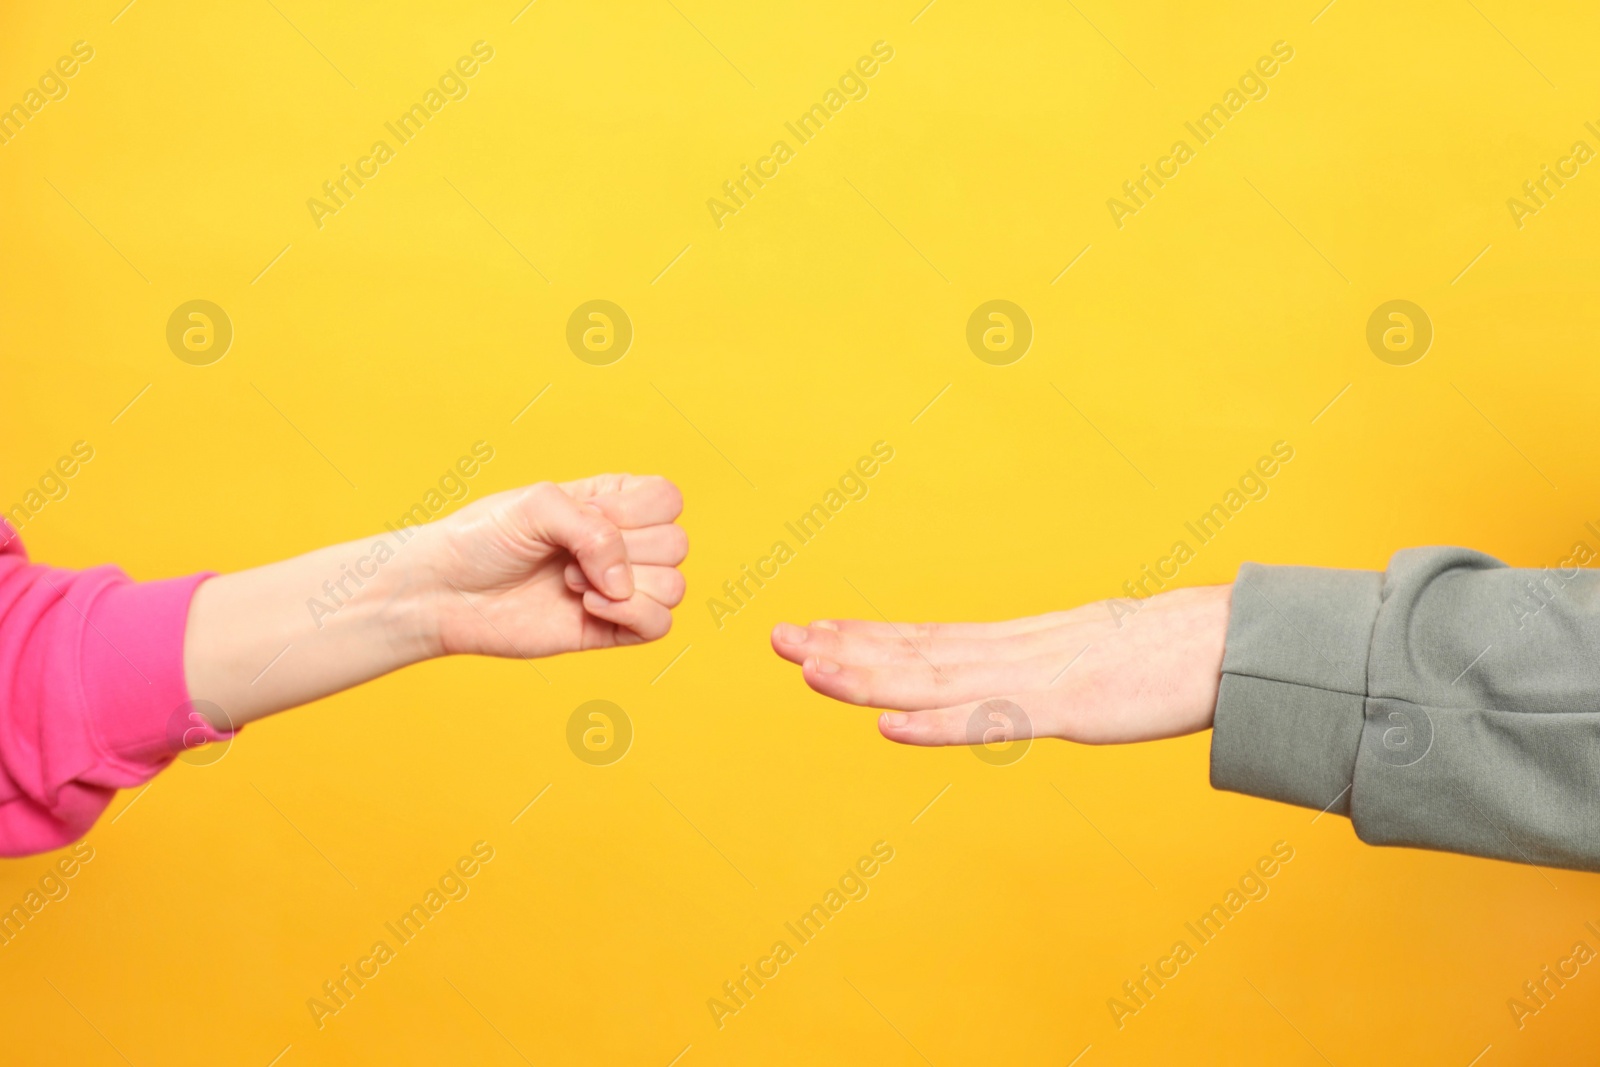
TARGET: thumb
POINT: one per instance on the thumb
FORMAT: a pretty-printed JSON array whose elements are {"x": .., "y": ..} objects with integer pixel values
[{"x": 592, "y": 539}]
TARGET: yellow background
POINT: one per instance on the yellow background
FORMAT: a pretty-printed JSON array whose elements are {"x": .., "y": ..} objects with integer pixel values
[{"x": 818, "y": 320}]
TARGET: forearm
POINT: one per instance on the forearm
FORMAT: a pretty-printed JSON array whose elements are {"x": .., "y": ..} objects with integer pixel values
[
  {"x": 101, "y": 677},
  {"x": 273, "y": 637}
]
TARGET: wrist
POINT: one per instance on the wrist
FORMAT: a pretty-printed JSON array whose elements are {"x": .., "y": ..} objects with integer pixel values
[
  {"x": 1184, "y": 654},
  {"x": 401, "y": 593},
  {"x": 1206, "y": 644}
]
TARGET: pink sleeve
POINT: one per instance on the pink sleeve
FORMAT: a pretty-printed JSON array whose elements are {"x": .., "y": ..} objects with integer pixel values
[{"x": 91, "y": 679}]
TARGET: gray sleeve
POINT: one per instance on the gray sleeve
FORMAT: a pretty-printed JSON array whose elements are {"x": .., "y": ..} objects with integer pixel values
[{"x": 1449, "y": 703}]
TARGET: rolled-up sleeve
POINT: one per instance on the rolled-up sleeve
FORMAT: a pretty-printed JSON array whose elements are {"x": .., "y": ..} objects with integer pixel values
[
  {"x": 91, "y": 684},
  {"x": 1451, "y": 702}
]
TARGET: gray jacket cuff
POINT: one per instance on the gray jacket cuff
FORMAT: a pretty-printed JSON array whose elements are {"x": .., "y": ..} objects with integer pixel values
[{"x": 1294, "y": 683}]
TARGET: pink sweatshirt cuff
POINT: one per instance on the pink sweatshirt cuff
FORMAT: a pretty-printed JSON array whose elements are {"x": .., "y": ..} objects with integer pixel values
[
  {"x": 93, "y": 696},
  {"x": 134, "y": 684}
]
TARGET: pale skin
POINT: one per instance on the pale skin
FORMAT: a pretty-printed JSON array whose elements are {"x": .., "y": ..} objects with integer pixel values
[
  {"x": 527, "y": 573},
  {"x": 1097, "y": 674},
  {"x": 589, "y": 564}
]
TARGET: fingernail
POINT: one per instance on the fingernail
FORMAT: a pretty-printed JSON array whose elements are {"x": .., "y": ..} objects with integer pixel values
[
  {"x": 895, "y": 718},
  {"x": 790, "y": 634},
  {"x": 824, "y": 624},
  {"x": 619, "y": 580},
  {"x": 824, "y": 666}
]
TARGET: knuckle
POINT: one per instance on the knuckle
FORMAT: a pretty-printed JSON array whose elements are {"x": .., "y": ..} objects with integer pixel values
[
  {"x": 906, "y": 653},
  {"x": 673, "y": 495},
  {"x": 830, "y": 646},
  {"x": 598, "y": 536}
]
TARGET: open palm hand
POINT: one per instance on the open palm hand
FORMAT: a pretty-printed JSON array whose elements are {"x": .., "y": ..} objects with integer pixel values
[{"x": 1091, "y": 674}]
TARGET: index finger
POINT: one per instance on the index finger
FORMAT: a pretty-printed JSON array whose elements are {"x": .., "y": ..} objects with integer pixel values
[{"x": 638, "y": 501}]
